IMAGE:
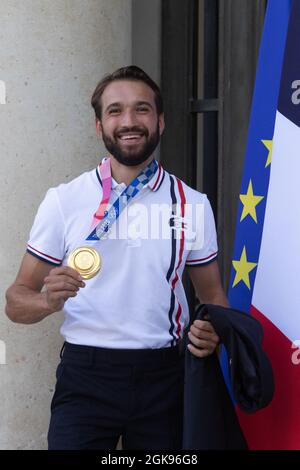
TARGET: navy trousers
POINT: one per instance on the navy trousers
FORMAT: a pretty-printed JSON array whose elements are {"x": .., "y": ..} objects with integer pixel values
[{"x": 102, "y": 394}]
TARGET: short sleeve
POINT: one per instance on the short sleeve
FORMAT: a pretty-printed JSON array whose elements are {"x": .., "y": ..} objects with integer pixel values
[
  {"x": 204, "y": 249},
  {"x": 46, "y": 239}
]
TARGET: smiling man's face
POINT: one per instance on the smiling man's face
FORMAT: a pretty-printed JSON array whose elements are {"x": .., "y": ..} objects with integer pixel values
[{"x": 130, "y": 126}]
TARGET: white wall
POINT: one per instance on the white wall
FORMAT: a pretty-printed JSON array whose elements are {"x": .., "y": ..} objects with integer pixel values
[{"x": 52, "y": 55}]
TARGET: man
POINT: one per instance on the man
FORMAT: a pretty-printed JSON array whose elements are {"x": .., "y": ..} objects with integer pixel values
[{"x": 121, "y": 371}]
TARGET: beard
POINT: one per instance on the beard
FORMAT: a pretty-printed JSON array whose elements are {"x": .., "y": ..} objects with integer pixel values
[{"x": 132, "y": 156}]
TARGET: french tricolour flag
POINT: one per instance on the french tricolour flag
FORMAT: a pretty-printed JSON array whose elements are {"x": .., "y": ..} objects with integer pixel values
[{"x": 265, "y": 277}]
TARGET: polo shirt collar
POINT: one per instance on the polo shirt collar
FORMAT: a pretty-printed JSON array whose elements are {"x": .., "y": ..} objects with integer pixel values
[{"x": 154, "y": 184}]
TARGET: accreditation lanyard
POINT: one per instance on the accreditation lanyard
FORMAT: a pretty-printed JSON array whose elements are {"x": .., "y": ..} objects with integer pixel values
[{"x": 103, "y": 219}]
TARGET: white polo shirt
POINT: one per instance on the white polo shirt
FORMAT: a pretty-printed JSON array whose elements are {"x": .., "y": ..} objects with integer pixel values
[{"x": 137, "y": 300}]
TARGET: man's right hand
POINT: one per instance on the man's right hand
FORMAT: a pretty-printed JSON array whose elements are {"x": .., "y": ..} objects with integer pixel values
[{"x": 61, "y": 284}]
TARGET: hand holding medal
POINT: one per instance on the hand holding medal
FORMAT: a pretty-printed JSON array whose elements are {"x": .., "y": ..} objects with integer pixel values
[{"x": 61, "y": 284}]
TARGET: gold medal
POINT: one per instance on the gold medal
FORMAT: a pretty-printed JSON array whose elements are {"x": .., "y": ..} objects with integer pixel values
[{"x": 86, "y": 261}]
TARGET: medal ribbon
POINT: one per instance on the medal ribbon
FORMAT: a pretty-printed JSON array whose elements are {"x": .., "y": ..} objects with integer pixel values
[
  {"x": 105, "y": 174},
  {"x": 103, "y": 220}
]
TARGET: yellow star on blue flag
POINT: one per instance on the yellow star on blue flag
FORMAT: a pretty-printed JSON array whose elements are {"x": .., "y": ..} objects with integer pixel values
[
  {"x": 269, "y": 145},
  {"x": 243, "y": 267},
  {"x": 250, "y": 202}
]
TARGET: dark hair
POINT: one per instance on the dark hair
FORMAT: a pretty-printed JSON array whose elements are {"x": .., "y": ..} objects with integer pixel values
[{"x": 131, "y": 73}]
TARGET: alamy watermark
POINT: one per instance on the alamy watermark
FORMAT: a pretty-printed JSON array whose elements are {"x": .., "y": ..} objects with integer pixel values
[
  {"x": 2, "y": 352},
  {"x": 156, "y": 222},
  {"x": 2, "y": 92},
  {"x": 296, "y": 354},
  {"x": 296, "y": 93}
]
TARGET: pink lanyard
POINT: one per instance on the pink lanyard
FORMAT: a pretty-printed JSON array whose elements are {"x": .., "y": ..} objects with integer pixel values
[{"x": 105, "y": 175}]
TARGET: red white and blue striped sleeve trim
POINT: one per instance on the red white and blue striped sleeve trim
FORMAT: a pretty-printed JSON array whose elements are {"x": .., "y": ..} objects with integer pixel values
[
  {"x": 202, "y": 261},
  {"x": 43, "y": 256}
]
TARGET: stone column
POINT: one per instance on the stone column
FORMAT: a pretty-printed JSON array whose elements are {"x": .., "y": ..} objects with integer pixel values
[{"x": 52, "y": 55}]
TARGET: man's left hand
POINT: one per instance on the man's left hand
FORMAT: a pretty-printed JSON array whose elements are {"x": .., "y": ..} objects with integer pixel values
[{"x": 203, "y": 338}]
